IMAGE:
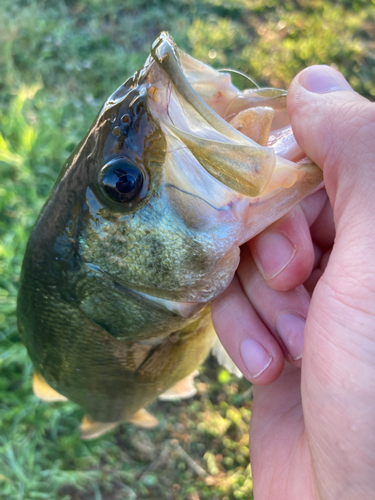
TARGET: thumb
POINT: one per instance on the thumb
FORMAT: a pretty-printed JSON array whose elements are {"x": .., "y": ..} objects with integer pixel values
[{"x": 335, "y": 127}]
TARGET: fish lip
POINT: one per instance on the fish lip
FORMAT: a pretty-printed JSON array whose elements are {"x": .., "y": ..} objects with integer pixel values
[{"x": 165, "y": 53}]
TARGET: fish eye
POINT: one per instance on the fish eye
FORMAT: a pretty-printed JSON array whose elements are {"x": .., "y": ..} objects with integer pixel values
[{"x": 122, "y": 180}]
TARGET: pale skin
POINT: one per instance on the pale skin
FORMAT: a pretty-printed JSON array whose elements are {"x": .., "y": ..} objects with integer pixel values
[{"x": 313, "y": 424}]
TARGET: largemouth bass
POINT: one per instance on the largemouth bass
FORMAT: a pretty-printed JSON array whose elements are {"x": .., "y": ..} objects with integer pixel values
[{"x": 142, "y": 230}]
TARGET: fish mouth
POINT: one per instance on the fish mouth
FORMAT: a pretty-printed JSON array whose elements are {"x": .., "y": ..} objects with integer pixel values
[
  {"x": 233, "y": 152},
  {"x": 238, "y": 162}
]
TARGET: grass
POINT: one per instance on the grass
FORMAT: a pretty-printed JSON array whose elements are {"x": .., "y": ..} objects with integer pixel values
[{"x": 58, "y": 62}]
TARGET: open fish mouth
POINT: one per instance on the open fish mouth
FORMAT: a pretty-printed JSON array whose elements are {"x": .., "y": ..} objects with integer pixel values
[{"x": 233, "y": 151}]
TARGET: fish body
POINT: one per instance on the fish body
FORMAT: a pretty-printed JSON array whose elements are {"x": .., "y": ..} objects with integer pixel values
[{"x": 143, "y": 227}]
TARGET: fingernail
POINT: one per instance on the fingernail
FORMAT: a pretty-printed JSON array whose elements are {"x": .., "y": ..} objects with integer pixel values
[
  {"x": 273, "y": 253},
  {"x": 290, "y": 327},
  {"x": 255, "y": 357},
  {"x": 322, "y": 79}
]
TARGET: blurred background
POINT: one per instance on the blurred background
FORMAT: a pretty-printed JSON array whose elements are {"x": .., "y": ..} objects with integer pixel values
[{"x": 58, "y": 62}]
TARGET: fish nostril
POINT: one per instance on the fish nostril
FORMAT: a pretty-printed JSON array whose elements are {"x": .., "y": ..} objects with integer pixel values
[
  {"x": 123, "y": 128},
  {"x": 126, "y": 119}
]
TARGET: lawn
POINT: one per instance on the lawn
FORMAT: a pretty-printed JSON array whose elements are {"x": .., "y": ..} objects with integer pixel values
[{"x": 58, "y": 63}]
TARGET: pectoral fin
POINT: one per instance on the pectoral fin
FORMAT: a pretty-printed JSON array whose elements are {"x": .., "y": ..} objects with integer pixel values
[{"x": 44, "y": 391}]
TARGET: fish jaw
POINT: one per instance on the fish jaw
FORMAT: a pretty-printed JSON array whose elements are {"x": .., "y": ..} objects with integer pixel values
[
  {"x": 228, "y": 155},
  {"x": 236, "y": 180}
]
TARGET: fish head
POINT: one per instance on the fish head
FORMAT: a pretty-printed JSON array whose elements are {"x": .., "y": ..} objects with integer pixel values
[{"x": 163, "y": 190}]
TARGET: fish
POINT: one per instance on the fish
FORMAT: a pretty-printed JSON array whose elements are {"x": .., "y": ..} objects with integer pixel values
[{"x": 142, "y": 230}]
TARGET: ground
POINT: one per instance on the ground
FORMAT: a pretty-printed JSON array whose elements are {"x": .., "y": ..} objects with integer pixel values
[{"x": 58, "y": 63}]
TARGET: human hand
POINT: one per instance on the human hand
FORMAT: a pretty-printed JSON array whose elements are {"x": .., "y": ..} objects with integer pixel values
[{"x": 312, "y": 429}]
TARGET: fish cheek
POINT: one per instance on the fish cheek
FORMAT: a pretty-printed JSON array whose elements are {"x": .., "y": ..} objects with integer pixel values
[
  {"x": 152, "y": 251},
  {"x": 169, "y": 256}
]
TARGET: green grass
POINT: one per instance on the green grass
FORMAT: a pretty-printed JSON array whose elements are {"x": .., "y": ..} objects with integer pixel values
[{"x": 58, "y": 62}]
